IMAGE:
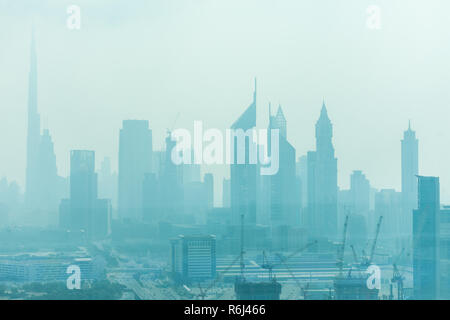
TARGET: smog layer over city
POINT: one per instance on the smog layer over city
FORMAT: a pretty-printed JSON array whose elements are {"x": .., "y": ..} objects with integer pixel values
[{"x": 224, "y": 150}]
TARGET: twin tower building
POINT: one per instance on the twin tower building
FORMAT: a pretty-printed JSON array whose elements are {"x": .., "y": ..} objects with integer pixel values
[{"x": 276, "y": 199}]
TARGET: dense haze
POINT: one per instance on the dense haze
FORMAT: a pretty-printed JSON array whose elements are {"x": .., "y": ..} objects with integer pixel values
[{"x": 152, "y": 59}]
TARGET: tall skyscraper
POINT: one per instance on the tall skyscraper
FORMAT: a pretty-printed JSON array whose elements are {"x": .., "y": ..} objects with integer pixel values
[
  {"x": 284, "y": 204},
  {"x": 84, "y": 213},
  {"x": 360, "y": 192},
  {"x": 44, "y": 188},
  {"x": 302, "y": 174},
  {"x": 171, "y": 180},
  {"x": 388, "y": 205},
  {"x": 198, "y": 198},
  {"x": 410, "y": 168},
  {"x": 48, "y": 193},
  {"x": 355, "y": 203},
  {"x": 302, "y": 180},
  {"x": 34, "y": 133},
  {"x": 107, "y": 182},
  {"x": 83, "y": 189},
  {"x": 135, "y": 160},
  {"x": 322, "y": 181},
  {"x": 152, "y": 202},
  {"x": 360, "y": 197},
  {"x": 426, "y": 226},
  {"x": 243, "y": 177}
]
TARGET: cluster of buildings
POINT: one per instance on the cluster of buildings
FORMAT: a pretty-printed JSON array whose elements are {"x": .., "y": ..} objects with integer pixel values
[
  {"x": 302, "y": 197},
  {"x": 282, "y": 211}
]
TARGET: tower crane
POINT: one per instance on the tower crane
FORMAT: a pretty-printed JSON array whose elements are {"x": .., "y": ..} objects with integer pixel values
[
  {"x": 368, "y": 260},
  {"x": 203, "y": 291},
  {"x": 341, "y": 249},
  {"x": 283, "y": 262},
  {"x": 355, "y": 256},
  {"x": 270, "y": 266},
  {"x": 267, "y": 265}
]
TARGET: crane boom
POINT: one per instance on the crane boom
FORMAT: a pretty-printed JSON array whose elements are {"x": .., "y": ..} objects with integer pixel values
[
  {"x": 340, "y": 261},
  {"x": 374, "y": 244},
  {"x": 355, "y": 256},
  {"x": 300, "y": 250}
]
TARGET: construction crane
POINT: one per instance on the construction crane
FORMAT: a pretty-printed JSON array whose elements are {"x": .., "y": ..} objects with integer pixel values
[
  {"x": 284, "y": 259},
  {"x": 169, "y": 130},
  {"x": 372, "y": 252},
  {"x": 355, "y": 256},
  {"x": 270, "y": 266},
  {"x": 397, "y": 277},
  {"x": 267, "y": 265},
  {"x": 341, "y": 249},
  {"x": 203, "y": 292},
  {"x": 367, "y": 261},
  {"x": 283, "y": 262}
]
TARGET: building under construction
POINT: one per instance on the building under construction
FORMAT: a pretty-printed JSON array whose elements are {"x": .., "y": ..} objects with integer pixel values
[
  {"x": 354, "y": 288},
  {"x": 250, "y": 290},
  {"x": 348, "y": 287}
]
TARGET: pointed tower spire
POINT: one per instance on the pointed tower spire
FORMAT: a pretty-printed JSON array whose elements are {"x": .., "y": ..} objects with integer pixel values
[
  {"x": 324, "y": 133},
  {"x": 323, "y": 112},
  {"x": 279, "y": 122},
  {"x": 34, "y": 130},
  {"x": 248, "y": 118},
  {"x": 280, "y": 112},
  {"x": 32, "y": 76}
]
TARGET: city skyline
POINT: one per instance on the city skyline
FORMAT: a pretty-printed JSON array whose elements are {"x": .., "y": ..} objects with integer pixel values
[
  {"x": 35, "y": 125},
  {"x": 299, "y": 92},
  {"x": 257, "y": 150},
  {"x": 34, "y": 114}
]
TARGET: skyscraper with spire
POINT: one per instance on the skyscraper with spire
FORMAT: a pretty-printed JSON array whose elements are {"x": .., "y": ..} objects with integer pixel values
[
  {"x": 243, "y": 177},
  {"x": 33, "y": 135},
  {"x": 284, "y": 205},
  {"x": 322, "y": 181},
  {"x": 410, "y": 169},
  {"x": 44, "y": 188}
]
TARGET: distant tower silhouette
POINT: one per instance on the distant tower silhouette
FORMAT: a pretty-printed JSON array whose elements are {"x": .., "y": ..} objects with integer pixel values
[
  {"x": 410, "y": 168},
  {"x": 322, "y": 181},
  {"x": 135, "y": 160},
  {"x": 33, "y": 135},
  {"x": 84, "y": 214},
  {"x": 48, "y": 175},
  {"x": 284, "y": 205},
  {"x": 243, "y": 177}
]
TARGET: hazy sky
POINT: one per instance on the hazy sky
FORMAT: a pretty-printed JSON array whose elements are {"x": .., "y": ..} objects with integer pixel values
[{"x": 150, "y": 59}]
